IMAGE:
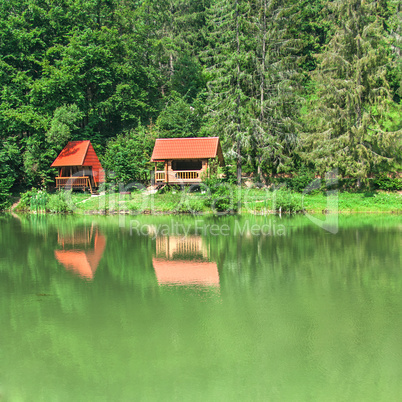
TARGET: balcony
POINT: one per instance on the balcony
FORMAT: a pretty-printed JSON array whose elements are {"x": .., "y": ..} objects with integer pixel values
[
  {"x": 74, "y": 182},
  {"x": 178, "y": 176}
]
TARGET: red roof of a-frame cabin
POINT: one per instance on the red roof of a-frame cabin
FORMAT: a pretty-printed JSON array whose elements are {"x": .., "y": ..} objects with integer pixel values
[
  {"x": 186, "y": 148},
  {"x": 73, "y": 154}
]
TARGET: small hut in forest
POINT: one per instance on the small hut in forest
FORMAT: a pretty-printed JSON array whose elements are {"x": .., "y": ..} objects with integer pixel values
[
  {"x": 78, "y": 167},
  {"x": 185, "y": 159}
]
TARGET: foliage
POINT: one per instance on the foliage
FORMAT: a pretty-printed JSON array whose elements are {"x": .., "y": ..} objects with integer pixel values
[
  {"x": 59, "y": 202},
  {"x": 300, "y": 180},
  {"x": 222, "y": 198},
  {"x": 280, "y": 82},
  {"x": 179, "y": 118},
  {"x": 127, "y": 156},
  {"x": 37, "y": 200},
  {"x": 286, "y": 200},
  {"x": 387, "y": 183},
  {"x": 9, "y": 158},
  {"x": 63, "y": 123},
  {"x": 351, "y": 79}
]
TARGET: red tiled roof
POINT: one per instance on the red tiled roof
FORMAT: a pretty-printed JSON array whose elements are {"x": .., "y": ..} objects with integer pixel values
[
  {"x": 185, "y": 148},
  {"x": 73, "y": 154}
]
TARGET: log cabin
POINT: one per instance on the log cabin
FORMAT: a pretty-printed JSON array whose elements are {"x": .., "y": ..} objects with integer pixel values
[
  {"x": 185, "y": 160},
  {"x": 78, "y": 167}
]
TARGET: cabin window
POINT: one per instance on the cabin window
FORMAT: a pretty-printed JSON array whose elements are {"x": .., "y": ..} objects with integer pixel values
[{"x": 187, "y": 165}]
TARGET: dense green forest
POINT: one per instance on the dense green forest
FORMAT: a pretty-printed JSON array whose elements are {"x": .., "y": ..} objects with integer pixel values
[{"x": 287, "y": 85}]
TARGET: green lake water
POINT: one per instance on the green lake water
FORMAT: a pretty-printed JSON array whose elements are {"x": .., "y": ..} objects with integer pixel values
[{"x": 200, "y": 309}]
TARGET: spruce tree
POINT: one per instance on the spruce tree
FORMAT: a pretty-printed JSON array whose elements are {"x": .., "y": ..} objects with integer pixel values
[
  {"x": 352, "y": 92},
  {"x": 277, "y": 102},
  {"x": 229, "y": 66}
]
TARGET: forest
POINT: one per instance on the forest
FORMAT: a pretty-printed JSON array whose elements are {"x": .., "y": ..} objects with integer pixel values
[{"x": 288, "y": 85}]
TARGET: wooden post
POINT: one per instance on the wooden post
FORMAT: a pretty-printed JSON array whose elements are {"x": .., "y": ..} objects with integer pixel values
[{"x": 166, "y": 173}]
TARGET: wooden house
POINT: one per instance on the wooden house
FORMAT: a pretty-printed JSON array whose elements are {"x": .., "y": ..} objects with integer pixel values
[
  {"x": 185, "y": 159},
  {"x": 78, "y": 167}
]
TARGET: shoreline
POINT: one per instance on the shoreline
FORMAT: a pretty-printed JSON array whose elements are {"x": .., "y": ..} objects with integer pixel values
[
  {"x": 205, "y": 213},
  {"x": 255, "y": 202}
]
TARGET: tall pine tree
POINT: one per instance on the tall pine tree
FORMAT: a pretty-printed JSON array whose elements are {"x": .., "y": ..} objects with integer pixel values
[
  {"x": 229, "y": 65},
  {"x": 277, "y": 102},
  {"x": 352, "y": 91}
]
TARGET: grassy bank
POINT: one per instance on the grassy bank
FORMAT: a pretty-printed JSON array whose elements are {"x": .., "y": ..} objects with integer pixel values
[{"x": 221, "y": 200}]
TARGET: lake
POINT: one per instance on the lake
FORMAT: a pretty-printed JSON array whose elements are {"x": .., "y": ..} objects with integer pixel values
[{"x": 183, "y": 308}]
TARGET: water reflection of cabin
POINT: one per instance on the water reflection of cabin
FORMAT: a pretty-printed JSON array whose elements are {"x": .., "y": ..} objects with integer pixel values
[
  {"x": 78, "y": 167},
  {"x": 185, "y": 159},
  {"x": 184, "y": 261},
  {"x": 81, "y": 251}
]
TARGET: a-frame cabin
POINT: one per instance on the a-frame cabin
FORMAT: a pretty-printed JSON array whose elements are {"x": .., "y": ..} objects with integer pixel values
[{"x": 78, "y": 167}]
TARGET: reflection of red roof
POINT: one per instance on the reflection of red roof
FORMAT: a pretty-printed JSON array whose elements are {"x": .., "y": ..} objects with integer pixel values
[
  {"x": 186, "y": 148},
  {"x": 182, "y": 272},
  {"x": 83, "y": 262}
]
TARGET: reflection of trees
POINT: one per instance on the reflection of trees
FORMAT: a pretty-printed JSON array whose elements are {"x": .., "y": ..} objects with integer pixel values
[{"x": 311, "y": 311}]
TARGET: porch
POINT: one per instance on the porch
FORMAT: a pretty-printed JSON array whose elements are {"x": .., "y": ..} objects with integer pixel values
[
  {"x": 178, "y": 176},
  {"x": 74, "y": 182}
]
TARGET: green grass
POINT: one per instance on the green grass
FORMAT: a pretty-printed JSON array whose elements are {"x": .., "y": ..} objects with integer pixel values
[
  {"x": 357, "y": 202},
  {"x": 254, "y": 201}
]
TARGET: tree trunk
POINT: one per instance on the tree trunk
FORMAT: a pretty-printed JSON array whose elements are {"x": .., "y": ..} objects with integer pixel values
[
  {"x": 238, "y": 140},
  {"x": 264, "y": 33}
]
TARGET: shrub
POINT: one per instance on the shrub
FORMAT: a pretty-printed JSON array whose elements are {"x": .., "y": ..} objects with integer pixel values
[
  {"x": 38, "y": 201},
  {"x": 287, "y": 201},
  {"x": 384, "y": 182},
  {"x": 60, "y": 202},
  {"x": 301, "y": 180},
  {"x": 192, "y": 205},
  {"x": 223, "y": 198}
]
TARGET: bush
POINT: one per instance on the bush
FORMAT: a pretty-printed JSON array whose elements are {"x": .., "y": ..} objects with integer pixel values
[
  {"x": 60, "y": 202},
  {"x": 40, "y": 201},
  {"x": 299, "y": 181},
  {"x": 126, "y": 157},
  {"x": 33, "y": 200},
  {"x": 287, "y": 201},
  {"x": 223, "y": 198},
  {"x": 192, "y": 205},
  {"x": 384, "y": 182}
]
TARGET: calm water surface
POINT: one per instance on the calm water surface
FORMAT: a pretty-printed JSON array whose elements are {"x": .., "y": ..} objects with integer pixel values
[{"x": 104, "y": 309}]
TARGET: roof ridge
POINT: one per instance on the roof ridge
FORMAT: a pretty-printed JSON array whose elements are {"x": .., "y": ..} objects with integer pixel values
[
  {"x": 187, "y": 138},
  {"x": 85, "y": 153}
]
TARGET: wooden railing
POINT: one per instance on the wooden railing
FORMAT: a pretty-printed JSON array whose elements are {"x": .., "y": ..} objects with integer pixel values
[
  {"x": 187, "y": 174},
  {"x": 178, "y": 176},
  {"x": 73, "y": 182},
  {"x": 160, "y": 176}
]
